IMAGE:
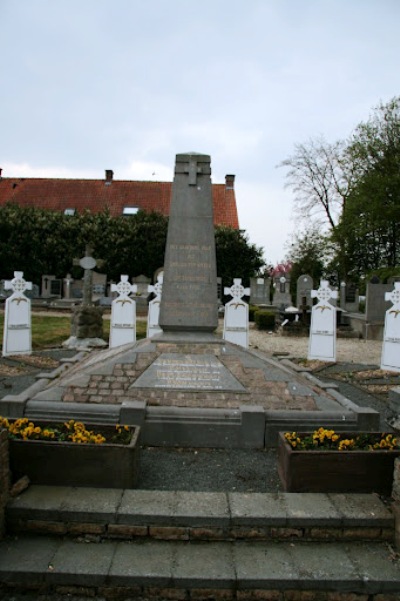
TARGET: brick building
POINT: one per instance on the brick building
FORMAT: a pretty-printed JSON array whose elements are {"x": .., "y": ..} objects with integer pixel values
[{"x": 120, "y": 197}]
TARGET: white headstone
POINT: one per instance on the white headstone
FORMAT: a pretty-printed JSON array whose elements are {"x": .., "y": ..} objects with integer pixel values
[
  {"x": 322, "y": 342},
  {"x": 17, "y": 335},
  {"x": 153, "y": 327},
  {"x": 391, "y": 336},
  {"x": 236, "y": 320},
  {"x": 123, "y": 314},
  {"x": 68, "y": 280}
]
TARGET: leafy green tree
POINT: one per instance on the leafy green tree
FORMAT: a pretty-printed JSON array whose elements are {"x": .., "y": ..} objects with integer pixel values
[
  {"x": 40, "y": 242},
  {"x": 131, "y": 245},
  {"x": 236, "y": 256},
  {"x": 368, "y": 234},
  {"x": 307, "y": 252}
]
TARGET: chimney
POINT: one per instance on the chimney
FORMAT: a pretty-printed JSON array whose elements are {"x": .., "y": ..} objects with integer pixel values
[
  {"x": 109, "y": 176},
  {"x": 229, "y": 182}
]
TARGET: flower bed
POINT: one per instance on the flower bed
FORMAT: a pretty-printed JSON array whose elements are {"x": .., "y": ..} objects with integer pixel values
[
  {"x": 326, "y": 461},
  {"x": 72, "y": 454}
]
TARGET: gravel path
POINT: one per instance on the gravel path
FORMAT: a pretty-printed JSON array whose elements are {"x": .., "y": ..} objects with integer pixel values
[{"x": 348, "y": 350}]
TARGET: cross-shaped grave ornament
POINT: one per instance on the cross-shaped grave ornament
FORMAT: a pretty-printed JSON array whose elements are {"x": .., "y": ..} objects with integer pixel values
[
  {"x": 394, "y": 297},
  {"x": 237, "y": 291},
  {"x": 18, "y": 285},
  {"x": 193, "y": 170},
  {"x": 323, "y": 294},
  {"x": 88, "y": 263},
  {"x": 157, "y": 288},
  {"x": 124, "y": 289}
]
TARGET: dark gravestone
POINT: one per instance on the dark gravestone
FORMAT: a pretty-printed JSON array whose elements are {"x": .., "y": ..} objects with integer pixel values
[{"x": 189, "y": 299}]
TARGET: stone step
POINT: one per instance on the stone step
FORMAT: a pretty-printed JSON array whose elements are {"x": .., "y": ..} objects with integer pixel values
[
  {"x": 243, "y": 571},
  {"x": 178, "y": 515}
]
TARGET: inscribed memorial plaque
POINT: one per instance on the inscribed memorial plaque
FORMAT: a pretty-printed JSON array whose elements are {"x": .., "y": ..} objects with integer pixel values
[{"x": 188, "y": 371}]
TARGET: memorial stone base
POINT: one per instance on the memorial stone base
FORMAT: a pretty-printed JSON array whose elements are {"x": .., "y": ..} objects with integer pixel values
[
  {"x": 86, "y": 328},
  {"x": 191, "y": 389}
]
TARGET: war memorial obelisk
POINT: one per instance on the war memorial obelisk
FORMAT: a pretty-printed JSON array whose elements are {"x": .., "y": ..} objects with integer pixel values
[
  {"x": 189, "y": 299},
  {"x": 187, "y": 386}
]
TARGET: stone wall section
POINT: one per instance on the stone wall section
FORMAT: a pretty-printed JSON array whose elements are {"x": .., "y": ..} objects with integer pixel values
[{"x": 4, "y": 478}]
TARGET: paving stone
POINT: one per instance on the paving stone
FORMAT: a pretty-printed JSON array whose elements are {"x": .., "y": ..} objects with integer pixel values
[
  {"x": 265, "y": 565},
  {"x": 41, "y": 501},
  {"x": 199, "y": 509},
  {"x": 324, "y": 566},
  {"x": 147, "y": 563},
  {"x": 100, "y": 503},
  {"x": 204, "y": 566},
  {"x": 377, "y": 565},
  {"x": 309, "y": 509},
  {"x": 26, "y": 560},
  {"x": 362, "y": 509},
  {"x": 81, "y": 563},
  {"x": 138, "y": 505},
  {"x": 257, "y": 509}
]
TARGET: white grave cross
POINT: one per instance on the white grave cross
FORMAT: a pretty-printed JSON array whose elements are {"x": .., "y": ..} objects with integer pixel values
[
  {"x": 123, "y": 314},
  {"x": 17, "y": 336},
  {"x": 322, "y": 342},
  {"x": 391, "y": 337},
  {"x": 236, "y": 319},
  {"x": 153, "y": 327}
]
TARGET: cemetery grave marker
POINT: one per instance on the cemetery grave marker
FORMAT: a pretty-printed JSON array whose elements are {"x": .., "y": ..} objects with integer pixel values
[
  {"x": 68, "y": 280},
  {"x": 88, "y": 263},
  {"x": 322, "y": 342},
  {"x": 376, "y": 304},
  {"x": 305, "y": 284},
  {"x": 236, "y": 319},
  {"x": 17, "y": 335},
  {"x": 391, "y": 336},
  {"x": 260, "y": 291},
  {"x": 123, "y": 314},
  {"x": 86, "y": 319},
  {"x": 282, "y": 295},
  {"x": 153, "y": 317}
]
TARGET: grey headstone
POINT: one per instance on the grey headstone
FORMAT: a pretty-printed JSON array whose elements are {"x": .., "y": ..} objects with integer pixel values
[
  {"x": 282, "y": 296},
  {"x": 305, "y": 284},
  {"x": 189, "y": 300},
  {"x": 375, "y": 304},
  {"x": 260, "y": 291}
]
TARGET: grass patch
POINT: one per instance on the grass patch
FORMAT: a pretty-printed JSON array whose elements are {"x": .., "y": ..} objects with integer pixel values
[{"x": 50, "y": 331}]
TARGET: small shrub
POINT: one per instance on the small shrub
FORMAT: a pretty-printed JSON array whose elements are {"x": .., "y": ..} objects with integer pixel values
[
  {"x": 252, "y": 311},
  {"x": 265, "y": 320}
]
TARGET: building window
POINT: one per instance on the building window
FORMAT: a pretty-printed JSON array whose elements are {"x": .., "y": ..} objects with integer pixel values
[
  {"x": 69, "y": 212},
  {"x": 130, "y": 210}
]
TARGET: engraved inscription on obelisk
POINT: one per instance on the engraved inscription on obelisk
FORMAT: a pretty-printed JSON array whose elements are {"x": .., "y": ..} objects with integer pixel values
[{"x": 189, "y": 300}]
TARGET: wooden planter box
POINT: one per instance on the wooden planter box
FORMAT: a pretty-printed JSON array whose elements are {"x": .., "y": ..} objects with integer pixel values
[
  {"x": 106, "y": 465},
  {"x": 335, "y": 471}
]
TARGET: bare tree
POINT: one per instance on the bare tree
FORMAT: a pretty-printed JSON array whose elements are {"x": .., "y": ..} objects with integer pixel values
[{"x": 320, "y": 179}]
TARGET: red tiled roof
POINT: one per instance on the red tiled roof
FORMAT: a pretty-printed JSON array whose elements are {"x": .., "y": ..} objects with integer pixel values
[{"x": 97, "y": 195}]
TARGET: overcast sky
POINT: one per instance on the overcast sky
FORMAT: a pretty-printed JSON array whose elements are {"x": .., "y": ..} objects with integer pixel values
[{"x": 89, "y": 85}]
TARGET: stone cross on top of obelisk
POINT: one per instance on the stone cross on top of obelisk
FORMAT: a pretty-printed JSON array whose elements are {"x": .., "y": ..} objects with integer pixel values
[{"x": 189, "y": 297}]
